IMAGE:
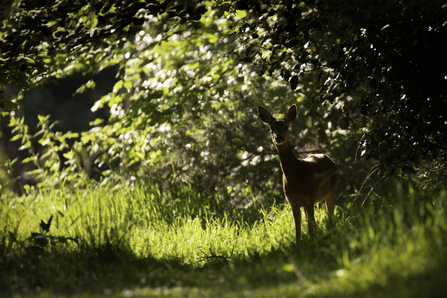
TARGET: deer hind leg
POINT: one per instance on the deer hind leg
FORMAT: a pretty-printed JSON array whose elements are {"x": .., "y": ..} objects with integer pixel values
[
  {"x": 297, "y": 218},
  {"x": 311, "y": 223}
]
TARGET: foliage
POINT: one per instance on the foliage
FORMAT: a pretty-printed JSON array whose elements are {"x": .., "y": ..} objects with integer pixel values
[
  {"x": 385, "y": 59},
  {"x": 55, "y": 163},
  {"x": 105, "y": 241},
  {"x": 72, "y": 29},
  {"x": 184, "y": 109}
]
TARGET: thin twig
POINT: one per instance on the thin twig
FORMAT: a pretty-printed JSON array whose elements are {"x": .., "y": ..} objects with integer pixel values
[{"x": 374, "y": 169}]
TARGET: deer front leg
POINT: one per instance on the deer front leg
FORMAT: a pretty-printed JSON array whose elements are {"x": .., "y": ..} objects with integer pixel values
[{"x": 297, "y": 217}]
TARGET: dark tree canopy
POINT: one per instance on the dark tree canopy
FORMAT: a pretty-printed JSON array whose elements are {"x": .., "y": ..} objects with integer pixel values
[{"x": 386, "y": 58}]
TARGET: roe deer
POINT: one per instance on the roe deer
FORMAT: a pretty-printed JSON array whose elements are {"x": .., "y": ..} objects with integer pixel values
[{"x": 305, "y": 181}]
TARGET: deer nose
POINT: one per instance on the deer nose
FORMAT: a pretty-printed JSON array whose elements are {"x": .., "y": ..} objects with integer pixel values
[{"x": 279, "y": 139}]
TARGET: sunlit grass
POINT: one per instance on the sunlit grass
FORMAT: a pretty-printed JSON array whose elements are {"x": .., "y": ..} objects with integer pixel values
[
  {"x": 148, "y": 224},
  {"x": 138, "y": 242}
]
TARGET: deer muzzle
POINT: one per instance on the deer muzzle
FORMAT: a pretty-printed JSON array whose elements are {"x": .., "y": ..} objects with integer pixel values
[{"x": 279, "y": 139}]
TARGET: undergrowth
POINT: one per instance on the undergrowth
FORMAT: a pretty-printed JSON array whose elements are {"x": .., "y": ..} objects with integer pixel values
[{"x": 137, "y": 242}]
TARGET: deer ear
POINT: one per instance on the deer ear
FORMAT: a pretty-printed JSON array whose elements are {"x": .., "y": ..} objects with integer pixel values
[
  {"x": 265, "y": 115},
  {"x": 291, "y": 114}
]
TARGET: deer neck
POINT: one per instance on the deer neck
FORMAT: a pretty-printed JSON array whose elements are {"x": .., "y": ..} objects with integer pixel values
[{"x": 286, "y": 158}]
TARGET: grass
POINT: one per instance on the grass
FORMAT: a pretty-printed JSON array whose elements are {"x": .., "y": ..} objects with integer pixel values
[{"x": 137, "y": 242}]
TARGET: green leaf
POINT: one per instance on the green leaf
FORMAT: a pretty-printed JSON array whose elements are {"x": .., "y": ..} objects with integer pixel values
[
  {"x": 212, "y": 38},
  {"x": 118, "y": 86},
  {"x": 128, "y": 85},
  {"x": 28, "y": 159},
  {"x": 90, "y": 84},
  {"x": 288, "y": 267},
  {"x": 16, "y": 137}
]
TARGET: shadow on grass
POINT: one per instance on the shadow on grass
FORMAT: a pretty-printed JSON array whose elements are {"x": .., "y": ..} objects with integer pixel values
[
  {"x": 112, "y": 269},
  {"x": 429, "y": 283}
]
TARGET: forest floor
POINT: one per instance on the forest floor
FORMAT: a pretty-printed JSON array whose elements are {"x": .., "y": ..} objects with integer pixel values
[{"x": 135, "y": 243}]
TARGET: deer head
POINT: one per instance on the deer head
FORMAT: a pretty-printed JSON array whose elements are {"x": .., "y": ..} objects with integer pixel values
[{"x": 279, "y": 129}]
